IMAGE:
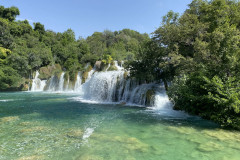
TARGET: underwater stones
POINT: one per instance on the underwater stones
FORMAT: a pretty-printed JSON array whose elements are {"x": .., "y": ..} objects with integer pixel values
[
  {"x": 34, "y": 114},
  {"x": 132, "y": 143},
  {"x": 195, "y": 139},
  {"x": 25, "y": 124},
  {"x": 89, "y": 157},
  {"x": 35, "y": 157},
  {"x": 210, "y": 146},
  {"x": 38, "y": 129},
  {"x": 9, "y": 119},
  {"x": 130, "y": 158},
  {"x": 183, "y": 130},
  {"x": 223, "y": 135},
  {"x": 75, "y": 133}
]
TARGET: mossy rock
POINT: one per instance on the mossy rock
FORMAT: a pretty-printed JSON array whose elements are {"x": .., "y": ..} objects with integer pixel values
[
  {"x": 71, "y": 85},
  {"x": 149, "y": 97},
  {"x": 103, "y": 67},
  {"x": 75, "y": 133},
  {"x": 98, "y": 65},
  {"x": 9, "y": 119},
  {"x": 112, "y": 68},
  {"x": 210, "y": 147},
  {"x": 46, "y": 72},
  {"x": 58, "y": 74},
  {"x": 84, "y": 77},
  {"x": 66, "y": 78},
  {"x": 125, "y": 75},
  {"x": 89, "y": 68},
  {"x": 85, "y": 73},
  {"x": 24, "y": 87}
]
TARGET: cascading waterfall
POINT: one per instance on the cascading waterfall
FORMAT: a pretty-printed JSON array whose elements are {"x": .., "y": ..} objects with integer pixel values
[
  {"x": 38, "y": 84},
  {"x": 111, "y": 86},
  {"x": 61, "y": 82},
  {"x": 118, "y": 67},
  {"x": 78, "y": 83},
  {"x": 108, "y": 86}
]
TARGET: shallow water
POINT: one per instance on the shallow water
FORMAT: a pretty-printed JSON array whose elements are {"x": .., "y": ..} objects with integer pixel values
[{"x": 55, "y": 126}]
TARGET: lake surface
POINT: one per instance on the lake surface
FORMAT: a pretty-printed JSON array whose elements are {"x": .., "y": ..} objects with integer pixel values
[{"x": 55, "y": 126}]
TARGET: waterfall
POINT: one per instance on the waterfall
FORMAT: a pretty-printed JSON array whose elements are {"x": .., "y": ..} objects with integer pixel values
[
  {"x": 111, "y": 86},
  {"x": 38, "y": 84},
  {"x": 78, "y": 83},
  {"x": 107, "y": 87},
  {"x": 118, "y": 67},
  {"x": 61, "y": 82}
]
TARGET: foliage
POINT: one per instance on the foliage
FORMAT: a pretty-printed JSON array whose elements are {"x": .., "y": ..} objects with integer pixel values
[
  {"x": 107, "y": 59},
  {"x": 25, "y": 49},
  {"x": 199, "y": 53}
]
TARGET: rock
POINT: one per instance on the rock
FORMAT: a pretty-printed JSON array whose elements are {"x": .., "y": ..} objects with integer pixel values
[
  {"x": 223, "y": 135},
  {"x": 84, "y": 77},
  {"x": 89, "y": 157},
  {"x": 210, "y": 146},
  {"x": 9, "y": 119},
  {"x": 25, "y": 124},
  {"x": 183, "y": 130},
  {"x": 122, "y": 103},
  {"x": 75, "y": 133},
  {"x": 35, "y": 157},
  {"x": 85, "y": 74},
  {"x": 46, "y": 72},
  {"x": 112, "y": 68},
  {"x": 24, "y": 87},
  {"x": 38, "y": 129},
  {"x": 98, "y": 65},
  {"x": 149, "y": 97},
  {"x": 126, "y": 74}
]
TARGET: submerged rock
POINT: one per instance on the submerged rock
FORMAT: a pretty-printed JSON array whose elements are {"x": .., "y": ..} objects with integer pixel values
[
  {"x": 210, "y": 146},
  {"x": 34, "y": 157},
  {"x": 223, "y": 135},
  {"x": 75, "y": 133},
  {"x": 89, "y": 157},
  {"x": 132, "y": 143},
  {"x": 183, "y": 130},
  {"x": 9, "y": 119},
  {"x": 37, "y": 129}
]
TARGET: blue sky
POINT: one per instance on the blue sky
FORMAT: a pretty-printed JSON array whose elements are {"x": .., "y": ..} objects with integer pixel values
[{"x": 87, "y": 16}]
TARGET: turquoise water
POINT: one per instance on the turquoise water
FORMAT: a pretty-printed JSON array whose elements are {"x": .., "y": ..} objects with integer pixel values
[{"x": 55, "y": 126}]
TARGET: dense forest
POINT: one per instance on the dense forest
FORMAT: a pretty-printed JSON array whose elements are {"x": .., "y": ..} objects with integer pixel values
[
  {"x": 199, "y": 53},
  {"x": 196, "y": 55},
  {"x": 25, "y": 49}
]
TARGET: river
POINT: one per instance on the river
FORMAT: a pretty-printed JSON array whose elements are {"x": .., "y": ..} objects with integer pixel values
[{"x": 43, "y": 125}]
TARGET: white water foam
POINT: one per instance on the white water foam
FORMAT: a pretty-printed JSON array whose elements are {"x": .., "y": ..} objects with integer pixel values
[
  {"x": 87, "y": 133},
  {"x": 6, "y": 100},
  {"x": 38, "y": 84},
  {"x": 109, "y": 87}
]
